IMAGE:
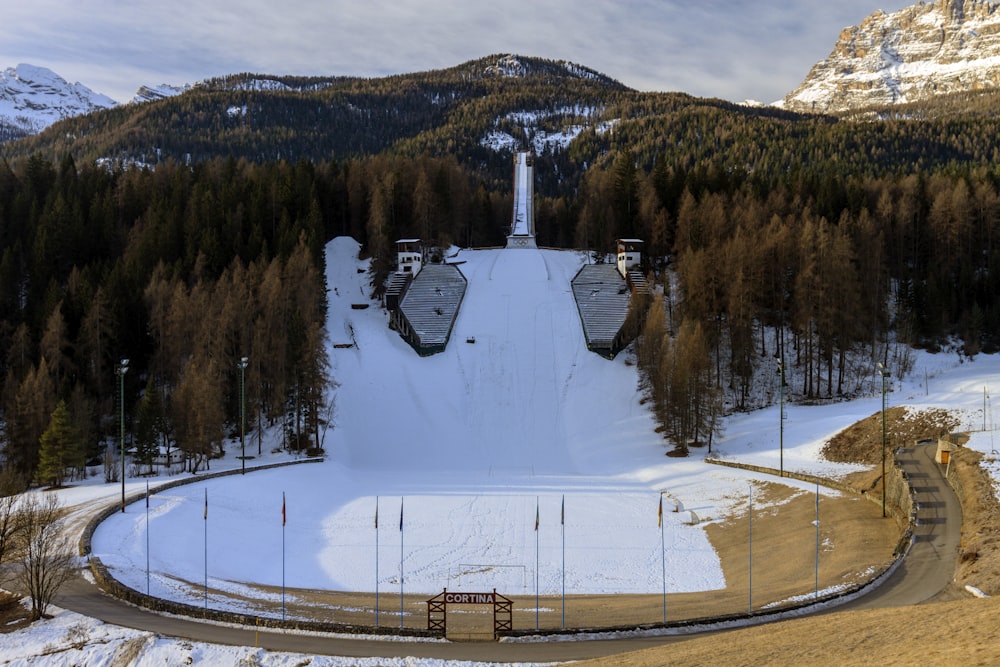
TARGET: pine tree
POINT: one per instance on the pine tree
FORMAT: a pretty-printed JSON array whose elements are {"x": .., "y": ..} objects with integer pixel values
[
  {"x": 60, "y": 448},
  {"x": 149, "y": 425},
  {"x": 33, "y": 403},
  {"x": 198, "y": 411}
]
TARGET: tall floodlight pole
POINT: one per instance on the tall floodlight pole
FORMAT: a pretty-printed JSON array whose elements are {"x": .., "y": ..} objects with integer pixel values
[
  {"x": 781, "y": 416},
  {"x": 147, "y": 537},
  {"x": 817, "y": 540},
  {"x": 243, "y": 422},
  {"x": 885, "y": 374},
  {"x": 120, "y": 371}
]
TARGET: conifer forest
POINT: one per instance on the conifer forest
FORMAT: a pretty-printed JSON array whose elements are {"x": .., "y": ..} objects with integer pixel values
[{"x": 818, "y": 241}]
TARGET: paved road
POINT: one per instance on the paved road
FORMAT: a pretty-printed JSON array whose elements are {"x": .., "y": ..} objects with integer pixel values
[{"x": 927, "y": 570}]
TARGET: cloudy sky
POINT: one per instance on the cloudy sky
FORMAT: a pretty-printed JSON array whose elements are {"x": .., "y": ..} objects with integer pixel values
[{"x": 733, "y": 49}]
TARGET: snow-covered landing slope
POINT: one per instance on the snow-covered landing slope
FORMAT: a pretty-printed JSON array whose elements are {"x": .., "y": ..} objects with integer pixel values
[{"x": 526, "y": 398}]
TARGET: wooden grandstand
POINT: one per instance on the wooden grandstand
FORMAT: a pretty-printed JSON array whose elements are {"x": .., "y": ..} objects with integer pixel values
[
  {"x": 428, "y": 307},
  {"x": 602, "y": 298}
]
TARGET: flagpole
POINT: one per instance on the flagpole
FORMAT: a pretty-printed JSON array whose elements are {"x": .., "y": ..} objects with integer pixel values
[
  {"x": 376, "y": 561},
  {"x": 205, "y": 517},
  {"x": 663, "y": 556},
  {"x": 283, "y": 515},
  {"x": 536, "y": 562},
  {"x": 147, "y": 537},
  {"x": 750, "y": 576},
  {"x": 401, "y": 562},
  {"x": 562, "y": 522},
  {"x": 817, "y": 540}
]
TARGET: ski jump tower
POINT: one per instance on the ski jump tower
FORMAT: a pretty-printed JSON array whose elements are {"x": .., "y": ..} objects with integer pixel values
[{"x": 522, "y": 227}]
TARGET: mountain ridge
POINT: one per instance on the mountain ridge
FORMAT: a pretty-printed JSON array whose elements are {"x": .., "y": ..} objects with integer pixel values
[
  {"x": 925, "y": 51},
  {"x": 32, "y": 98}
]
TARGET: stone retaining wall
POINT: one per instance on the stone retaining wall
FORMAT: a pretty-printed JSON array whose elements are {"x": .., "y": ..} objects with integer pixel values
[{"x": 898, "y": 499}]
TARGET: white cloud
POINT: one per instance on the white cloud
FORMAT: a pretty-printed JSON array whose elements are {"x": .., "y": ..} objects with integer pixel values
[{"x": 732, "y": 50}]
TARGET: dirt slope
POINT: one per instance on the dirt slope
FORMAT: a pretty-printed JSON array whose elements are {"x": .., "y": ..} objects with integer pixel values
[{"x": 956, "y": 629}]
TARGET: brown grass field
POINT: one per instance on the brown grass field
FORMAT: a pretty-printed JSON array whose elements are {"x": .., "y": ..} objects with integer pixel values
[{"x": 953, "y": 628}]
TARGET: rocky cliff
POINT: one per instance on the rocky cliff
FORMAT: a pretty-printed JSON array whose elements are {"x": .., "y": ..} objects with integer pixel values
[{"x": 929, "y": 49}]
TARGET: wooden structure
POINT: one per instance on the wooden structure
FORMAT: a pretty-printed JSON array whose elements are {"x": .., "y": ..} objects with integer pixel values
[
  {"x": 437, "y": 610},
  {"x": 427, "y": 306},
  {"x": 395, "y": 290},
  {"x": 602, "y": 298}
]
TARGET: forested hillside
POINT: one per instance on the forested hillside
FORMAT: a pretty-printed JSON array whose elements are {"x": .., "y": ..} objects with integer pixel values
[{"x": 836, "y": 234}]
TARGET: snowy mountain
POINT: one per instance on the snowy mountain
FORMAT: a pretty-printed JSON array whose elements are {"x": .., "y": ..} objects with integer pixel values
[
  {"x": 928, "y": 49},
  {"x": 32, "y": 98}
]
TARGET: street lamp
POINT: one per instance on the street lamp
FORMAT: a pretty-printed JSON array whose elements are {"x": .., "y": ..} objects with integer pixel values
[
  {"x": 243, "y": 422},
  {"x": 781, "y": 416},
  {"x": 120, "y": 371},
  {"x": 885, "y": 374}
]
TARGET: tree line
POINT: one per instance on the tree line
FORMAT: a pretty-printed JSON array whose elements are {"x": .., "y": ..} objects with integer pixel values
[
  {"x": 186, "y": 269},
  {"x": 754, "y": 278},
  {"x": 182, "y": 271}
]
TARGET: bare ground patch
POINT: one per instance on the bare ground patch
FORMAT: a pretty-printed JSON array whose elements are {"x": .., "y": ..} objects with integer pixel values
[
  {"x": 13, "y": 614},
  {"x": 862, "y": 442},
  {"x": 979, "y": 555},
  {"x": 953, "y": 629}
]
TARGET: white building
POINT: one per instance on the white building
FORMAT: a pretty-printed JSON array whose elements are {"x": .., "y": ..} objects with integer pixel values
[
  {"x": 629, "y": 255},
  {"x": 409, "y": 256}
]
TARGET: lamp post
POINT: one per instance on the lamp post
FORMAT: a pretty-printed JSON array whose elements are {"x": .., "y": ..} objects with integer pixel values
[
  {"x": 243, "y": 422},
  {"x": 781, "y": 416},
  {"x": 885, "y": 374},
  {"x": 120, "y": 371}
]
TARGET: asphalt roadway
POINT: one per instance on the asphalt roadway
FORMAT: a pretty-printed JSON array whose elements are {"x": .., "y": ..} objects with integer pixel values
[{"x": 926, "y": 571}]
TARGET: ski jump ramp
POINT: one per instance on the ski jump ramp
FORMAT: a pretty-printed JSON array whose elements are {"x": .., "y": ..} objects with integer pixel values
[{"x": 522, "y": 227}]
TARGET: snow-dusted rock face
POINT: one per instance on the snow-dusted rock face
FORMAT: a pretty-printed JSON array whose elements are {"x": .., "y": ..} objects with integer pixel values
[
  {"x": 153, "y": 93},
  {"x": 928, "y": 49},
  {"x": 32, "y": 98}
]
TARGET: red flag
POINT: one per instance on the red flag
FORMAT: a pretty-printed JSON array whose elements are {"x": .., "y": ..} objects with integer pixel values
[
  {"x": 536, "y": 514},
  {"x": 562, "y": 512},
  {"x": 376, "y": 512},
  {"x": 205, "y": 516},
  {"x": 659, "y": 514},
  {"x": 400, "y": 515},
  {"x": 282, "y": 508}
]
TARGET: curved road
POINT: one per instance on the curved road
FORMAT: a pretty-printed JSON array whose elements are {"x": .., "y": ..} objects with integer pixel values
[{"x": 927, "y": 570}]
